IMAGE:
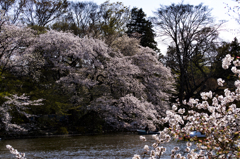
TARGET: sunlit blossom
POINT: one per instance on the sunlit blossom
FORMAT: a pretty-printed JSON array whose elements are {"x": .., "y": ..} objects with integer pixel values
[
  {"x": 220, "y": 81},
  {"x": 142, "y": 138},
  {"x": 234, "y": 70},
  {"x": 163, "y": 149},
  {"x": 178, "y": 155},
  {"x": 184, "y": 102},
  {"x": 15, "y": 152},
  {"x": 188, "y": 144},
  {"x": 237, "y": 83},
  {"x": 136, "y": 156},
  {"x": 154, "y": 145},
  {"x": 236, "y": 62},
  {"x": 152, "y": 153},
  {"x": 181, "y": 111},
  {"x": 146, "y": 148},
  {"x": 174, "y": 107},
  {"x": 226, "y": 62}
]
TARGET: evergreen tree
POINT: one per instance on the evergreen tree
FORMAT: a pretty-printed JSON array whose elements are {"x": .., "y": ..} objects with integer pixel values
[{"x": 140, "y": 27}]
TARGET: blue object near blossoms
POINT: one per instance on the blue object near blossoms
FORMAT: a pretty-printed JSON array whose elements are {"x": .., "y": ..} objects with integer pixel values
[{"x": 197, "y": 134}]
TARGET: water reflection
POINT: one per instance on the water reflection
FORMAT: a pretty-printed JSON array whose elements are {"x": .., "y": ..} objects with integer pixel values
[{"x": 111, "y": 146}]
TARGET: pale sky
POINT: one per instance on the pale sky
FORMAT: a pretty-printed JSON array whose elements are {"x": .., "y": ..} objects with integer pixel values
[{"x": 230, "y": 30}]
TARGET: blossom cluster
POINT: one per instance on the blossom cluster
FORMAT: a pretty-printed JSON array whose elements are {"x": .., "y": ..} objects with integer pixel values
[
  {"x": 123, "y": 83},
  {"x": 215, "y": 116},
  {"x": 15, "y": 152}
]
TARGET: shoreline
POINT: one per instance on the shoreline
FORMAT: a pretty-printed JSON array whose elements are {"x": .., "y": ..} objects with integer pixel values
[{"x": 60, "y": 135}]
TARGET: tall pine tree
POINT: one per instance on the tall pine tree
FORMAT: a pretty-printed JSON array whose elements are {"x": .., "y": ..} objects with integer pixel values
[{"x": 142, "y": 28}]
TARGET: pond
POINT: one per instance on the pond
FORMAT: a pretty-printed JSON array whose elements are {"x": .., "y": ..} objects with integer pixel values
[{"x": 110, "y": 146}]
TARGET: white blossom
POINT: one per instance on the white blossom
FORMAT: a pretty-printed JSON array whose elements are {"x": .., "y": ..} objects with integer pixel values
[
  {"x": 136, "y": 156},
  {"x": 237, "y": 83},
  {"x": 143, "y": 138},
  {"x": 174, "y": 107},
  {"x": 236, "y": 63},
  {"x": 234, "y": 70},
  {"x": 226, "y": 62},
  {"x": 15, "y": 152},
  {"x": 220, "y": 81},
  {"x": 146, "y": 148},
  {"x": 181, "y": 111}
]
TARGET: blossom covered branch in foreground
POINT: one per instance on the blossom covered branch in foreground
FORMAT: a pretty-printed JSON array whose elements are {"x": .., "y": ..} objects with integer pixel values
[
  {"x": 15, "y": 152},
  {"x": 217, "y": 117}
]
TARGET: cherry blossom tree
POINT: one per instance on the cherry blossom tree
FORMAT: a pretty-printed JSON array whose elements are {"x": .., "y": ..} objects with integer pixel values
[
  {"x": 126, "y": 84},
  {"x": 13, "y": 38},
  {"x": 217, "y": 116},
  {"x": 128, "y": 90}
]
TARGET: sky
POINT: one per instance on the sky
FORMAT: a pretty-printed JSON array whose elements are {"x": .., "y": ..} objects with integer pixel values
[{"x": 228, "y": 31}]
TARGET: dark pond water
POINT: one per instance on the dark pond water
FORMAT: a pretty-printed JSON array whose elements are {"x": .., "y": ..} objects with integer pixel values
[{"x": 111, "y": 146}]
